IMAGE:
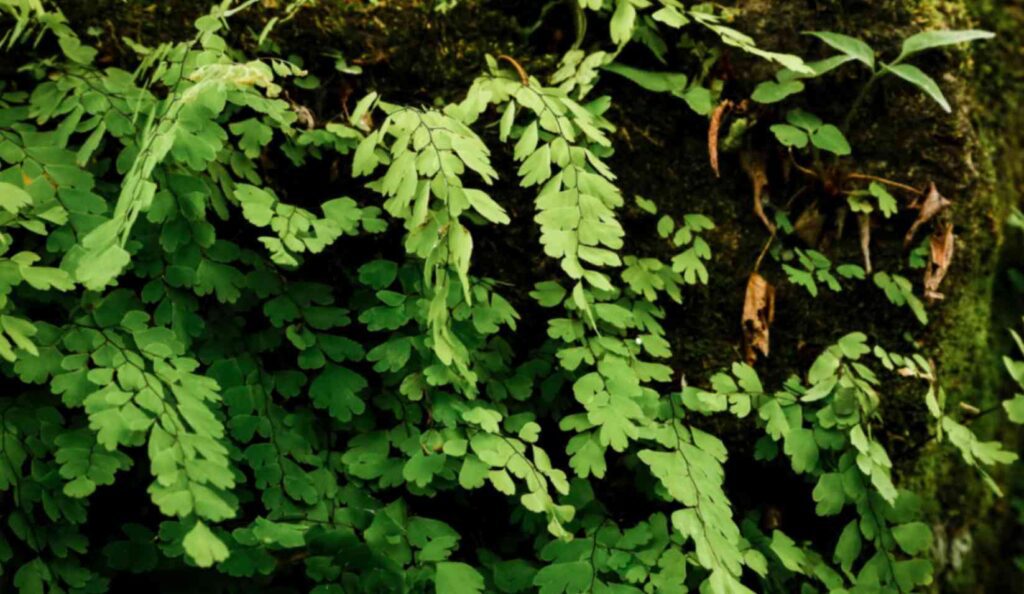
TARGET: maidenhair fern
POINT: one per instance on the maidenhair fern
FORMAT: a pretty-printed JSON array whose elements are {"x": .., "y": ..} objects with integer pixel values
[{"x": 333, "y": 385}]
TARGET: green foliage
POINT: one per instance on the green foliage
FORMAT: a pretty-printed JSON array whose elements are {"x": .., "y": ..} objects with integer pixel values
[
  {"x": 816, "y": 268},
  {"x": 300, "y": 385},
  {"x": 825, "y": 427},
  {"x": 803, "y": 127},
  {"x": 789, "y": 81},
  {"x": 900, "y": 292}
]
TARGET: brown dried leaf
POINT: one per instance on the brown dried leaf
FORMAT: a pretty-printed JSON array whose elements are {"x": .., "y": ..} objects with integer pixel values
[
  {"x": 932, "y": 205},
  {"x": 810, "y": 225},
  {"x": 940, "y": 257},
  {"x": 716, "y": 122},
  {"x": 865, "y": 239},
  {"x": 753, "y": 164},
  {"x": 758, "y": 313},
  {"x": 304, "y": 116},
  {"x": 970, "y": 408}
]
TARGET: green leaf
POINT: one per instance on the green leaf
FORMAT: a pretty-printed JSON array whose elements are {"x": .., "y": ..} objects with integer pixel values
[
  {"x": 919, "y": 79},
  {"x": 912, "y": 573},
  {"x": 699, "y": 99},
  {"x": 337, "y": 390},
  {"x": 648, "y": 206},
  {"x": 564, "y": 578},
  {"x": 457, "y": 578},
  {"x": 99, "y": 268},
  {"x": 854, "y": 345},
  {"x": 773, "y": 92},
  {"x": 421, "y": 468},
  {"x": 850, "y": 46},
  {"x": 802, "y": 449},
  {"x": 548, "y": 293},
  {"x": 886, "y": 202},
  {"x": 849, "y": 546},
  {"x": 378, "y": 274},
  {"x": 747, "y": 378},
  {"x": 790, "y": 135},
  {"x": 362, "y": 108},
  {"x": 803, "y": 119},
  {"x": 932, "y": 39},
  {"x": 13, "y": 198},
  {"x": 791, "y": 556},
  {"x": 1015, "y": 409},
  {"x": 913, "y": 537},
  {"x": 829, "y": 494},
  {"x": 203, "y": 546},
  {"x": 622, "y": 22},
  {"x": 830, "y": 138},
  {"x": 487, "y": 207},
  {"x": 289, "y": 536},
  {"x": 507, "y": 119},
  {"x": 31, "y": 576},
  {"x": 651, "y": 80},
  {"x": 900, "y": 292}
]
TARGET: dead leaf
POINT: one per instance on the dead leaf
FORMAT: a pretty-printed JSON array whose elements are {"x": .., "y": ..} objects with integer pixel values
[
  {"x": 758, "y": 313},
  {"x": 840, "y": 218},
  {"x": 970, "y": 408},
  {"x": 940, "y": 257},
  {"x": 716, "y": 122},
  {"x": 865, "y": 239},
  {"x": 932, "y": 205},
  {"x": 303, "y": 114},
  {"x": 810, "y": 224},
  {"x": 754, "y": 164}
]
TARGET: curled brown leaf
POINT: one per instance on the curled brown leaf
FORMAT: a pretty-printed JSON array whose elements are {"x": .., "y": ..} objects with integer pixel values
[
  {"x": 758, "y": 313},
  {"x": 753, "y": 164},
  {"x": 864, "y": 219},
  {"x": 940, "y": 256},
  {"x": 523, "y": 78},
  {"x": 810, "y": 225},
  {"x": 933, "y": 204},
  {"x": 716, "y": 122}
]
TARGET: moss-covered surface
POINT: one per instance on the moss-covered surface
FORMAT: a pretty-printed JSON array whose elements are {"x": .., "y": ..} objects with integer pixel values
[{"x": 411, "y": 54}]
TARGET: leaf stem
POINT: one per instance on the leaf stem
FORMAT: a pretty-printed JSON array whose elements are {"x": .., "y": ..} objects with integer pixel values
[
  {"x": 580, "y": 23},
  {"x": 888, "y": 182},
  {"x": 860, "y": 100},
  {"x": 764, "y": 250}
]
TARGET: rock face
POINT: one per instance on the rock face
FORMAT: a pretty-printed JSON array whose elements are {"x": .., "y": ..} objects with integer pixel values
[{"x": 973, "y": 155}]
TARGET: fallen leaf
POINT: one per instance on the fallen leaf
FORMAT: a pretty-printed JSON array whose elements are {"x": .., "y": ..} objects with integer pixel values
[
  {"x": 940, "y": 257},
  {"x": 758, "y": 313},
  {"x": 754, "y": 164},
  {"x": 932, "y": 205},
  {"x": 865, "y": 239},
  {"x": 716, "y": 122}
]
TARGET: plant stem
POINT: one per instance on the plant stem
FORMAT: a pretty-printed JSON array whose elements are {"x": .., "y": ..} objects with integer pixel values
[
  {"x": 580, "y": 21},
  {"x": 764, "y": 251},
  {"x": 882, "y": 180},
  {"x": 859, "y": 100}
]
